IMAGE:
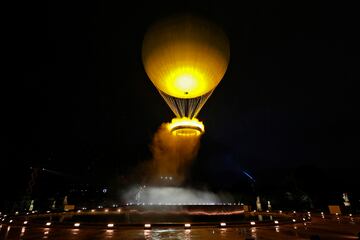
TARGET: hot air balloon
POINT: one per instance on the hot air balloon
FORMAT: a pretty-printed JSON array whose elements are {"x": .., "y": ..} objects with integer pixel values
[{"x": 185, "y": 57}]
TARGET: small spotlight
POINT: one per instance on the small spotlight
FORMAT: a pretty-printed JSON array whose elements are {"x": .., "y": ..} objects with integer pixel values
[
  {"x": 304, "y": 219},
  {"x": 119, "y": 210},
  {"x": 280, "y": 212},
  {"x": 76, "y": 224},
  {"x": 11, "y": 221},
  {"x": 25, "y": 222},
  {"x": 252, "y": 223},
  {"x": 350, "y": 215},
  {"x": 223, "y": 224},
  {"x": 79, "y": 211},
  {"x": 294, "y": 211},
  {"x": 48, "y": 224},
  {"x": 16, "y": 213},
  {"x": 187, "y": 225},
  {"x": 276, "y": 222},
  {"x": 106, "y": 210},
  {"x": 147, "y": 225},
  {"x": 110, "y": 225},
  {"x": 48, "y": 211},
  {"x": 92, "y": 210},
  {"x": 294, "y": 220}
]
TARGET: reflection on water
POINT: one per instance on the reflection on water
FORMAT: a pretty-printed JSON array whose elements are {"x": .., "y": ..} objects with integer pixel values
[{"x": 297, "y": 231}]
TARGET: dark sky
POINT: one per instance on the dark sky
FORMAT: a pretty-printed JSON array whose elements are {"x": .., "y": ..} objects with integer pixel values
[{"x": 77, "y": 97}]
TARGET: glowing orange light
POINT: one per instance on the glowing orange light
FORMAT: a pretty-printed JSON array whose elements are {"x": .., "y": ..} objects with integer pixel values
[{"x": 186, "y": 127}]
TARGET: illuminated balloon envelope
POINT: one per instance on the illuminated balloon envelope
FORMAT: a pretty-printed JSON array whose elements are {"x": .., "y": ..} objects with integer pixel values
[{"x": 185, "y": 57}]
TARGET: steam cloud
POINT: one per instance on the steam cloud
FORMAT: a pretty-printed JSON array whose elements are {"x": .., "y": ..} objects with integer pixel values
[{"x": 172, "y": 155}]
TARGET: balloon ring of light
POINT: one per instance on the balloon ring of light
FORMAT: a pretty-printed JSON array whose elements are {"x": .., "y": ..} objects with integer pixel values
[{"x": 186, "y": 127}]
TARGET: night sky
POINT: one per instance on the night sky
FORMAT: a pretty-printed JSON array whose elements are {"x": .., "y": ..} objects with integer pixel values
[{"x": 78, "y": 101}]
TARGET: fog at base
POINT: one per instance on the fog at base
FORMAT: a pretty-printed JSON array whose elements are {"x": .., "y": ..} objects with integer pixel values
[
  {"x": 159, "y": 180},
  {"x": 172, "y": 195}
]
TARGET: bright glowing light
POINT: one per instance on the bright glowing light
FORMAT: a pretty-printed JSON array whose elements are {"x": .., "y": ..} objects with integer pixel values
[
  {"x": 294, "y": 220},
  {"x": 110, "y": 225},
  {"x": 106, "y": 210},
  {"x": 252, "y": 223},
  {"x": 48, "y": 224},
  {"x": 147, "y": 225},
  {"x": 76, "y": 224},
  {"x": 280, "y": 212},
  {"x": 276, "y": 222},
  {"x": 187, "y": 225},
  {"x": 11, "y": 221},
  {"x": 25, "y": 222},
  {"x": 119, "y": 210},
  {"x": 223, "y": 224},
  {"x": 185, "y": 57},
  {"x": 186, "y": 127}
]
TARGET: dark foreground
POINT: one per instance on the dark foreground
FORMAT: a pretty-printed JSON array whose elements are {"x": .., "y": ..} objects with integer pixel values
[{"x": 345, "y": 228}]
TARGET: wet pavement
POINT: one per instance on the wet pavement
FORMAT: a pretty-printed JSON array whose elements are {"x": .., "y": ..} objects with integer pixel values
[{"x": 345, "y": 228}]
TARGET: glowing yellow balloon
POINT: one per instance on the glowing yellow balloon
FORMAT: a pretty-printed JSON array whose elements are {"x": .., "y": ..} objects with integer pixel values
[{"x": 185, "y": 57}]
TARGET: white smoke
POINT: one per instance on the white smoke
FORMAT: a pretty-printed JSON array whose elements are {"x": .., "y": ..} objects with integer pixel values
[{"x": 172, "y": 196}]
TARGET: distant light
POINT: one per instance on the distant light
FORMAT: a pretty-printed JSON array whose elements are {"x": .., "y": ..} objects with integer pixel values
[
  {"x": 16, "y": 213},
  {"x": 267, "y": 210},
  {"x": 104, "y": 190},
  {"x": 295, "y": 227},
  {"x": 350, "y": 215},
  {"x": 276, "y": 222},
  {"x": 252, "y": 223},
  {"x": 92, "y": 210},
  {"x": 110, "y": 225},
  {"x": 322, "y": 213},
  {"x": 187, "y": 225},
  {"x": 78, "y": 211},
  {"x": 294, "y": 220},
  {"x": 119, "y": 210},
  {"x": 294, "y": 211},
  {"x": 48, "y": 224},
  {"x": 337, "y": 214},
  {"x": 147, "y": 225},
  {"x": 304, "y": 219},
  {"x": 11, "y": 221},
  {"x": 25, "y": 222},
  {"x": 280, "y": 211},
  {"x": 106, "y": 210},
  {"x": 76, "y": 224},
  {"x": 223, "y": 224},
  {"x": 48, "y": 211}
]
